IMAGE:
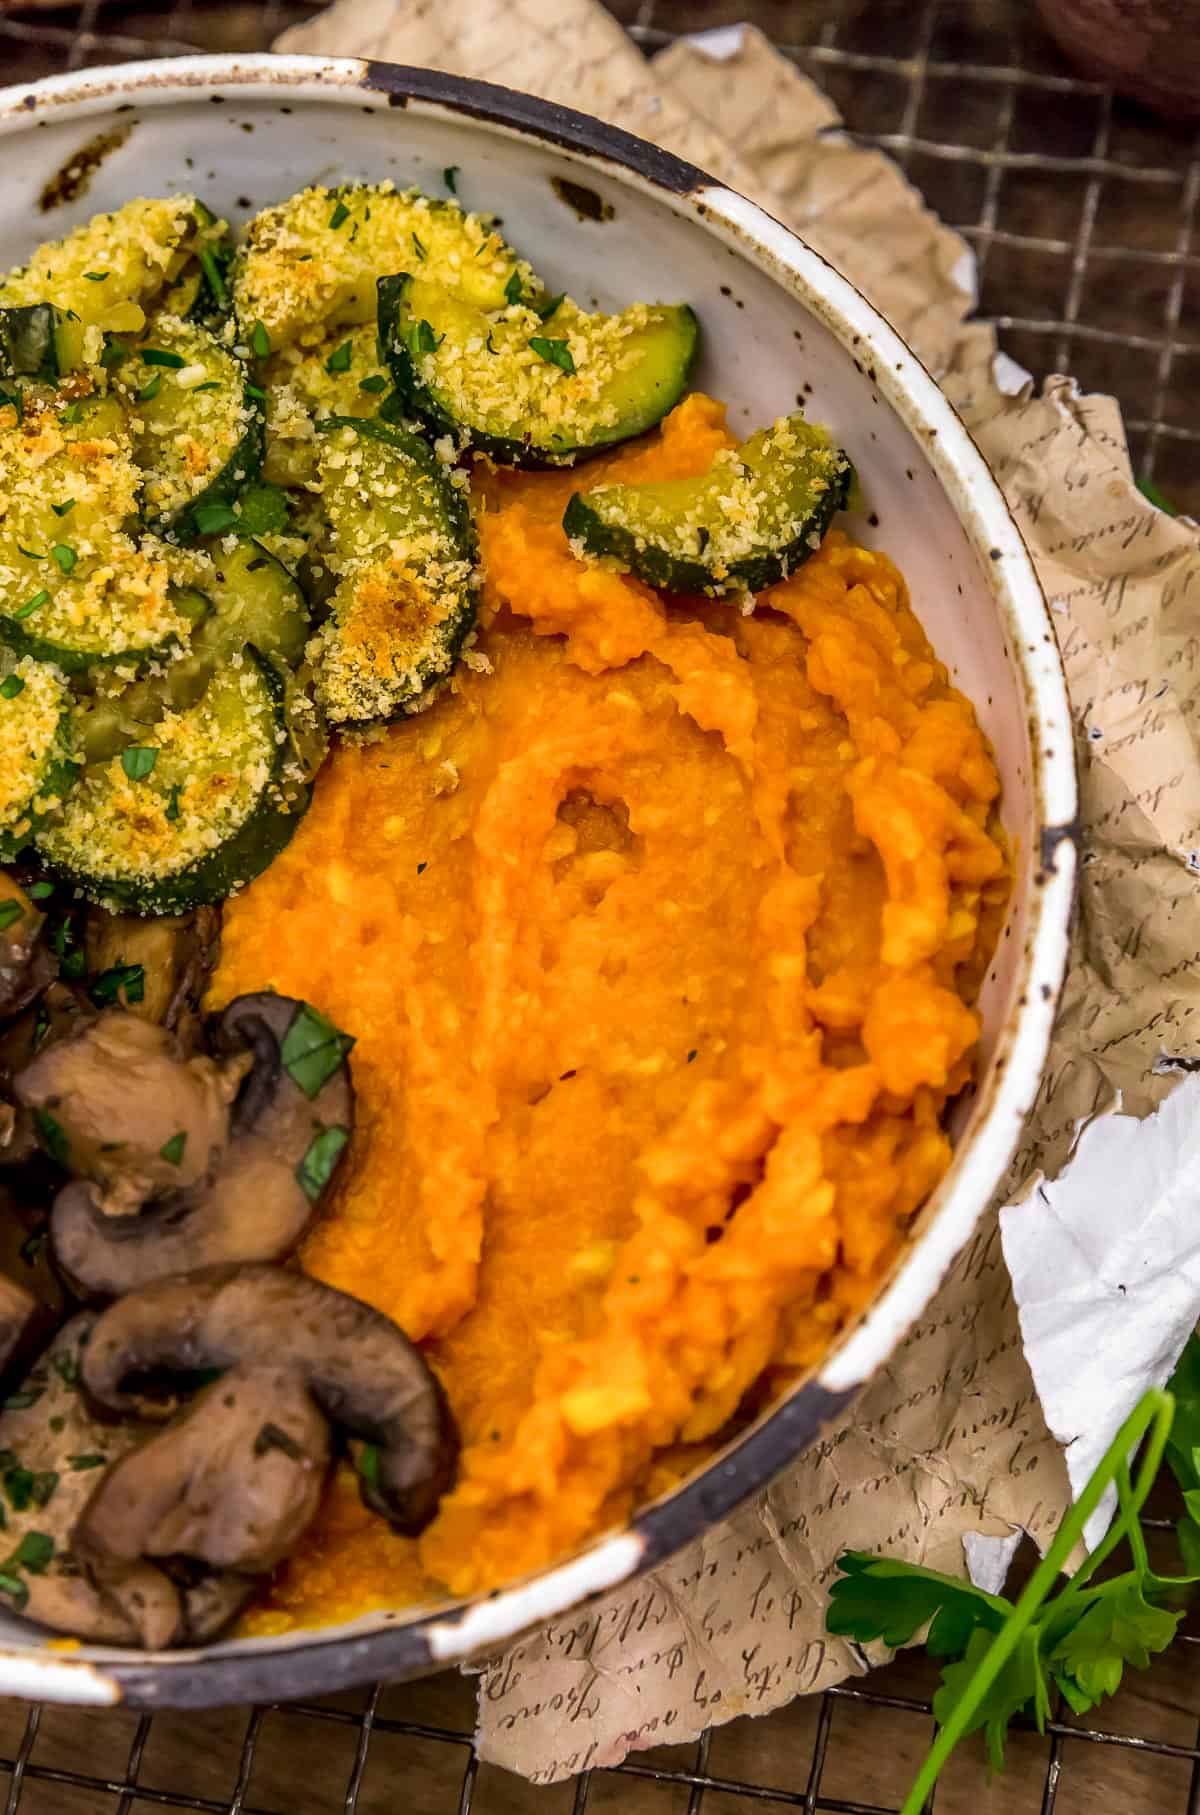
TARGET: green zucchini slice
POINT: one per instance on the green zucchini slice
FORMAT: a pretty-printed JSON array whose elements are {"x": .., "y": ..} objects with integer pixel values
[
  {"x": 198, "y": 432},
  {"x": 255, "y": 600},
  {"x": 310, "y": 264},
  {"x": 192, "y": 812},
  {"x": 343, "y": 376},
  {"x": 757, "y": 514},
  {"x": 36, "y": 770},
  {"x": 401, "y": 542},
  {"x": 531, "y": 389},
  {"x": 111, "y": 269},
  {"x": 76, "y": 587},
  {"x": 39, "y": 341}
]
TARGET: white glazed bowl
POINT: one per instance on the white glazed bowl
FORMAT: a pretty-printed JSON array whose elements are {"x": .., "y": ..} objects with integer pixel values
[{"x": 779, "y": 324}]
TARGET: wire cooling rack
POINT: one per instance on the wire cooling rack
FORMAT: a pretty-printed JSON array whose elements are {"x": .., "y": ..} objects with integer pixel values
[{"x": 1082, "y": 213}]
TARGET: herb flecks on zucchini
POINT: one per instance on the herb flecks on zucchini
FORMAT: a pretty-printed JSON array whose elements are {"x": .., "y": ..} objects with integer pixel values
[
  {"x": 80, "y": 588},
  {"x": 110, "y": 270},
  {"x": 192, "y": 812},
  {"x": 342, "y": 376},
  {"x": 311, "y": 263},
  {"x": 35, "y": 766},
  {"x": 531, "y": 391},
  {"x": 757, "y": 513},
  {"x": 401, "y": 543},
  {"x": 197, "y": 433}
]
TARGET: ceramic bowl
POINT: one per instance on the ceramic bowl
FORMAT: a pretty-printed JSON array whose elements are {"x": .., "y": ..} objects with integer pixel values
[{"x": 614, "y": 219}]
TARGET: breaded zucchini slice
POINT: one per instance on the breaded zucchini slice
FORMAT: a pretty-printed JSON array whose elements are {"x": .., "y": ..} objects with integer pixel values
[
  {"x": 528, "y": 387},
  {"x": 36, "y": 770},
  {"x": 311, "y": 263},
  {"x": 757, "y": 513},
  {"x": 77, "y": 586},
  {"x": 343, "y": 376},
  {"x": 401, "y": 542}
]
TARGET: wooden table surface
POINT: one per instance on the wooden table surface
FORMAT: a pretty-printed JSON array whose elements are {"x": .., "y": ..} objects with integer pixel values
[{"x": 1080, "y": 209}]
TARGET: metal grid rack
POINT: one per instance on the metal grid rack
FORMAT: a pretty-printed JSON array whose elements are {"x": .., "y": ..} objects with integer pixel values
[{"x": 1082, "y": 213}]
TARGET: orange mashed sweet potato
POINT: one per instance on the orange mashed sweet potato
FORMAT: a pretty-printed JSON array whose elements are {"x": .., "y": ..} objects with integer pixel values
[{"x": 658, "y": 933}]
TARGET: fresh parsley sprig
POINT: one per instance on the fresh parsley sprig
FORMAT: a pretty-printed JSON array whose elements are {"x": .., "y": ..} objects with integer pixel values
[{"x": 1003, "y": 1658}]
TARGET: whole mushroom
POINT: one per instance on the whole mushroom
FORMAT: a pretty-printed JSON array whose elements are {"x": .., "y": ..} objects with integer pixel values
[
  {"x": 250, "y": 1139},
  {"x": 359, "y": 1367}
]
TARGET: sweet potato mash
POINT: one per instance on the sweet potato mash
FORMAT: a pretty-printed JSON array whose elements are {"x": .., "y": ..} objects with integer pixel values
[{"x": 658, "y": 933}]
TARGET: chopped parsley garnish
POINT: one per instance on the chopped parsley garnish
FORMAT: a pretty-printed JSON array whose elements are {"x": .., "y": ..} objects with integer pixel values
[
  {"x": 32, "y": 1246},
  {"x": 138, "y": 761},
  {"x": 210, "y": 384},
  {"x": 122, "y": 983},
  {"x": 10, "y": 911},
  {"x": 172, "y": 812},
  {"x": 31, "y": 605},
  {"x": 113, "y": 354},
  {"x": 340, "y": 215},
  {"x": 10, "y": 686},
  {"x": 159, "y": 356},
  {"x": 418, "y": 248},
  {"x": 44, "y": 1484},
  {"x": 339, "y": 359},
  {"x": 316, "y": 1168},
  {"x": 213, "y": 277},
  {"x": 40, "y": 891},
  {"x": 312, "y": 1050},
  {"x": 66, "y": 1366},
  {"x": 21, "y": 1402},
  {"x": 89, "y": 1459},
  {"x": 272, "y": 1437},
  {"x": 262, "y": 510},
  {"x": 421, "y": 868},
  {"x": 544, "y": 310},
  {"x": 97, "y": 277},
  {"x": 450, "y": 178},
  {"x": 64, "y": 556},
  {"x": 691, "y": 1055},
  {"x": 256, "y": 392},
  {"x": 51, "y": 1135},
  {"x": 57, "y": 1424},
  {"x": 424, "y": 338},
  {"x": 73, "y": 411},
  {"x": 172, "y": 1150},
  {"x": 376, "y": 382},
  {"x": 34, "y": 1552},
  {"x": 368, "y": 1464},
  {"x": 13, "y": 1585},
  {"x": 30, "y": 554},
  {"x": 18, "y": 1487},
  {"x": 513, "y": 289},
  {"x": 554, "y": 352},
  {"x": 214, "y": 519},
  {"x": 149, "y": 390},
  {"x": 260, "y": 341},
  {"x": 61, "y": 510}
]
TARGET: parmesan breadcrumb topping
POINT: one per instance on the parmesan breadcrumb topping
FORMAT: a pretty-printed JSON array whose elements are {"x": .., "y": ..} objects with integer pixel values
[
  {"x": 112, "y": 267},
  {"x": 33, "y": 699},
  {"x": 188, "y": 420},
  {"x": 313, "y": 261}
]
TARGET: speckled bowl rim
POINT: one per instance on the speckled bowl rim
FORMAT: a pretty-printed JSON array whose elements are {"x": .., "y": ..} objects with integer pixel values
[{"x": 411, "y": 1644}]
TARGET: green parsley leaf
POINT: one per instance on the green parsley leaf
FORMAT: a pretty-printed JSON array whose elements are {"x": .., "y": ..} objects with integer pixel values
[
  {"x": 514, "y": 289},
  {"x": 876, "y": 1598},
  {"x": 339, "y": 359},
  {"x": 52, "y": 1137},
  {"x": 138, "y": 761},
  {"x": 1118, "y": 1629},
  {"x": 172, "y": 1150},
  {"x": 312, "y": 1050},
  {"x": 1020, "y": 1686},
  {"x": 113, "y": 354},
  {"x": 210, "y": 384},
  {"x": 97, "y": 277},
  {"x": 18, "y": 1487},
  {"x": 450, "y": 178},
  {"x": 368, "y": 1464},
  {"x": 422, "y": 337},
  {"x": 554, "y": 352},
  {"x": 13, "y": 1585},
  {"x": 31, "y": 605},
  {"x": 316, "y": 1168},
  {"x": 66, "y": 1366},
  {"x": 10, "y": 912},
  {"x": 149, "y": 390},
  {"x": 34, "y": 1553},
  {"x": 210, "y": 265},
  {"x": 20, "y": 1402},
  {"x": 375, "y": 382},
  {"x": 547, "y": 307},
  {"x": 61, "y": 510},
  {"x": 340, "y": 215},
  {"x": 159, "y": 356},
  {"x": 418, "y": 248},
  {"x": 214, "y": 519},
  {"x": 73, "y": 411},
  {"x": 89, "y": 1459},
  {"x": 44, "y": 1484},
  {"x": 1149, "y": 490},
  {"x": 263, "y": 510},
  {"x": 260, "y": 341},
  {"x": 256, "y": 393},
  {"x": 64, "y": 556},
  {"x": 40, "y": 891},
  {"x": 32, "y": 1246},
  {"x": 30, "y": 554},
  {"x": 172, "y": 812},
  {"x": 122, "y": 983}
]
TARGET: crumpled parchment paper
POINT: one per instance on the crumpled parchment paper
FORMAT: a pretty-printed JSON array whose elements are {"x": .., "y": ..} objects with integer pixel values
[{"x": 946, "y": 1456}]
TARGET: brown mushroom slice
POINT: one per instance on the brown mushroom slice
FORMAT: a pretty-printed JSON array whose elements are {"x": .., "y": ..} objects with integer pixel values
[
  {"x": 55, "y": 1451},
  {"x": 117, "y": 1104},
  {"x": 262, "y": 1193},
  {"x": 232, "y": 1482},
  {"x": 57, "y": 1013},
  {"x": 175, "y": 954},
  {"x": 359, "y": 1367},
  {"x": 17, "y": 1310},
  {"x": 26, "y": 967}
]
